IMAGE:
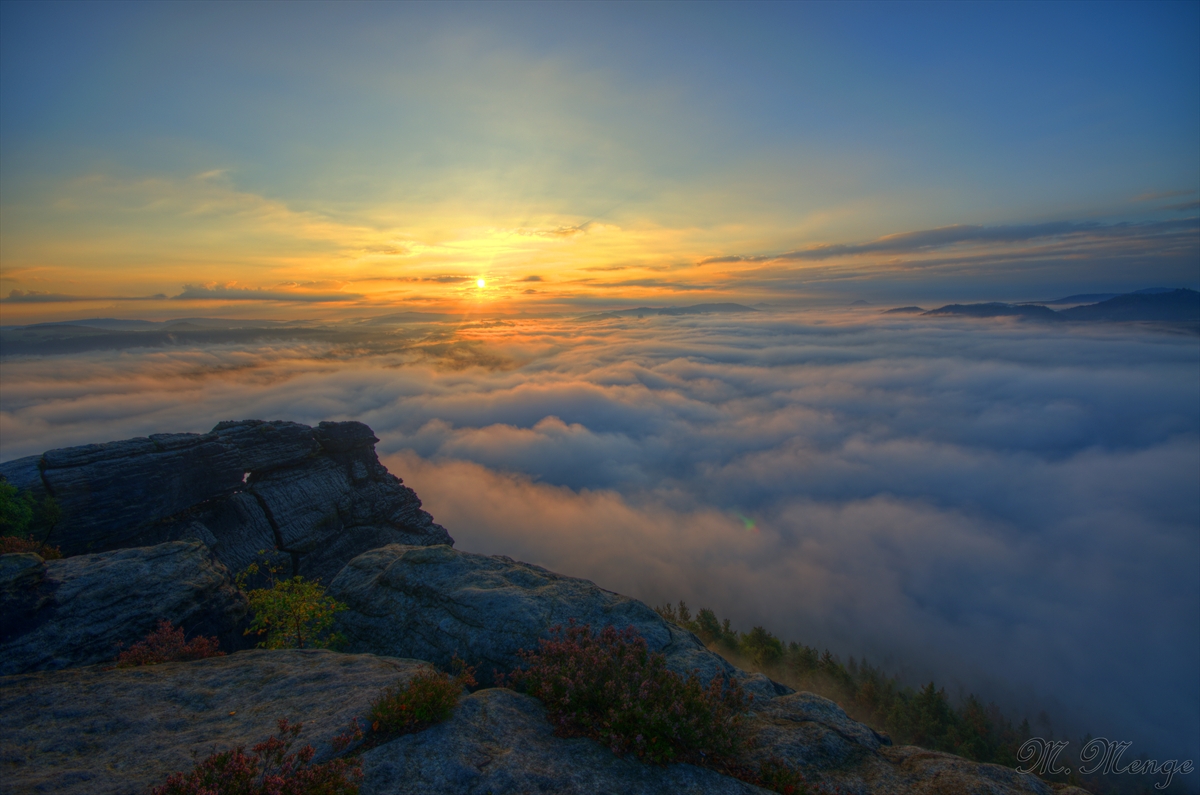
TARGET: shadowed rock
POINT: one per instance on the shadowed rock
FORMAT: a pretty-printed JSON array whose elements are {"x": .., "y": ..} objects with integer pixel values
[
  {"x": 434, "y": 602},
  {"x": 61, "y": 613},
  {"x": 102, "y": 731},
  {"x": 837, "y": 753},
  {"x": 319, "y": 496},
  {"x": 499, "y": 743}
]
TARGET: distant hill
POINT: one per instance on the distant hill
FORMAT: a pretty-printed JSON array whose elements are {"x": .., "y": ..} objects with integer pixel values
[
  {"x": 1095, "y": 298},
  {"x": 1153, "y": 305},
  {"x": 904, "y": 310},
  {"x": 1081, "y": 298},
  {"x": 996, "y": 309},
  {"x": 1174, "y": 306},
  {"x": 696, "y": 309},
  {"x": 860, "y": 302}
]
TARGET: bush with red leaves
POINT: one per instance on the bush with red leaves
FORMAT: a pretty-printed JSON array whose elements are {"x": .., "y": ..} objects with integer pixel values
[
  {"x": 608, "y": 686},
  {"x": 269, "y": 770},
  {"x": 167, "y": 644},
  {"x": 13, "y": 544}
]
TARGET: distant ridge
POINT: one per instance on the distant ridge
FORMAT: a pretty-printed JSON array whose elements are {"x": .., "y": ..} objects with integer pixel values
[
  {"x": 1095, "y": 298},
  {"x": 1173, "y": 306},
  {"x": 1158, "y": 305},
  {"x": 996, "y": 309},
  {"x": 695, "y": 309},
  {"x": 904, "y": 310}
]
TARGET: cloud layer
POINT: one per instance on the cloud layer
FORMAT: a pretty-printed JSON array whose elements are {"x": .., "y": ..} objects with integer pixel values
[{"x": 1011, "y": 510}]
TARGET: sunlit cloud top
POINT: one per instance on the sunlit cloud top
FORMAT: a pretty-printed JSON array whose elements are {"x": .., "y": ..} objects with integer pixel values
[{"x": 359, "y": 158}]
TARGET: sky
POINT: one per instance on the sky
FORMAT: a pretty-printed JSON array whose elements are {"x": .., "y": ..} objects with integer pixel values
[
  {"x": 1009, "y": 508},
  {"x": 261, "y": 160}
]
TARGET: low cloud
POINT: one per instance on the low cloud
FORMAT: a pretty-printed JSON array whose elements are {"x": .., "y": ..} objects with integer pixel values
[
  {"x": 37, "y": 297},
  {"x": 193, "y": 292},
  {"x": 1008, "y": 510}
]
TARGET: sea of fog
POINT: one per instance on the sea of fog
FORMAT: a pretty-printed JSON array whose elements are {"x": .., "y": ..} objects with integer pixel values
[{"x": 1007, "y": 508}]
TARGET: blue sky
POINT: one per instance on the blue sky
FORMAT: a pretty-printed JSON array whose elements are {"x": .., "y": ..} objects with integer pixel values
[{"x": 145, "y": 147}]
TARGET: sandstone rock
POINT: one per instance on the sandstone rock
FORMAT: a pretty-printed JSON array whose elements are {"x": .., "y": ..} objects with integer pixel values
[
  {"x": 319, "y": 496},
  {"x": 60, "y": 613},
  {"x": 499, "y": 743},
  {"x": 94, "y": 731},
  {"x": 434, "y": 602}
]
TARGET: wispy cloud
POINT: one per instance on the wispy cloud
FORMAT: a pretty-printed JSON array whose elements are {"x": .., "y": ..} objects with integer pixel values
[
  {"x": 1166, "y": 194},
  {"x": 928, "y": 240}
]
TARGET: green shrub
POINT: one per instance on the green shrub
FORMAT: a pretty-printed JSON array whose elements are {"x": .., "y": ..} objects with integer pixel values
[
  {"x": 24, "y": 519},
  {"x": 270, "y": 770},
  {"x": 428, "y": 698},
  {"x": 167, "y": 644},
  {"x": 609, "y": 687},
  {"x": 293, "y": 613}
]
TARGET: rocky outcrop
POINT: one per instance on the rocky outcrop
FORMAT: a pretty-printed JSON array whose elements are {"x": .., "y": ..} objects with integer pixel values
[
  {"x": 838, "y": 753},
  {"x": 317, "y": 495},
  {"x": 62, "y": 613},
  {"x": 499, "y": 743},
  {"x": 102, "y": 731},
  {"x": 94, "y": 731},
  {"x": 435, "y": 602},
  {"x": 155, "y": 526}
]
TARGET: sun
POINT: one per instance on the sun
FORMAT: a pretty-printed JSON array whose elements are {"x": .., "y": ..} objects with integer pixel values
[{"x": 481, "y": 283}]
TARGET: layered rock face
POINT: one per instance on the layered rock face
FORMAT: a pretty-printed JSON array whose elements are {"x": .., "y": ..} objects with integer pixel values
[
  {"x": 81, "y": 610},
  {"x": 435, "y": 602},
  {"x": 317, "y": 495}
]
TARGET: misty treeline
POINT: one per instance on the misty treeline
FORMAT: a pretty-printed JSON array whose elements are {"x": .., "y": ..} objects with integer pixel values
[{"x": 923, "y": 717}]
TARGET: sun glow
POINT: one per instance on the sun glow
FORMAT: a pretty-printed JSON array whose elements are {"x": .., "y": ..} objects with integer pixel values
[{"x": 480, "y": 283}]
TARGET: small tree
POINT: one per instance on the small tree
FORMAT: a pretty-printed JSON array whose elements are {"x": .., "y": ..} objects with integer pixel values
[{"x": 293, "y": 613}]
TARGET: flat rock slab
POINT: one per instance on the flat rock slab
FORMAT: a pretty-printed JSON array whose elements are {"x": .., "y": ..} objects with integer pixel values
[
  {"x": 61, "y": 613},
  {"x": 434, "y": 602},
  {"x": 499, "y": 743},
  {"x": 98, "y": 731}
]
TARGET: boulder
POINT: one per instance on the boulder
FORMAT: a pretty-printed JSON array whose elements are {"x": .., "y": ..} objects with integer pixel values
[
  {"x": 498, "y": 743},
  {"x": 435, "y": 602},
  {"x": 75, "y": 611},
  {"x": 837, "y": 753},
  {"x": 99, "y": 731},
  {"x": 311, "y": 498}
]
